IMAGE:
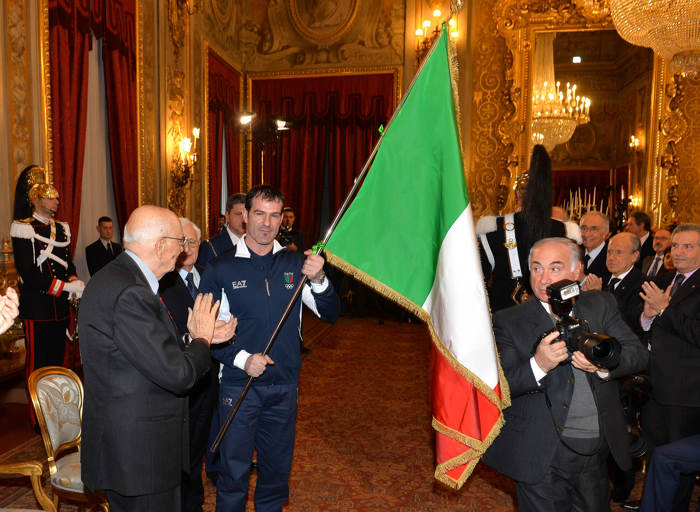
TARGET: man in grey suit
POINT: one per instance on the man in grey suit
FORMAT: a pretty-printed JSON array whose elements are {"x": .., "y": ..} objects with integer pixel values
[
  {"x": 565, "y": 414},
  {"x": 138, "y": 370}
]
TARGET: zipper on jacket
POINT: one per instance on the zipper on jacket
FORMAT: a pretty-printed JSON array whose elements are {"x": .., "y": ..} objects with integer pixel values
[{"x": 267, "y": 287}]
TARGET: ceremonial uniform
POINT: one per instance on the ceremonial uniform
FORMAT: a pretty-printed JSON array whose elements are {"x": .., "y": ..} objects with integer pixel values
[{"x": 43, "y": 261}]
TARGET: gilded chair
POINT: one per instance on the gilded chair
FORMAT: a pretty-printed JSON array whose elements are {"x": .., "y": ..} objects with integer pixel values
[
  {"x": 57, "y": 396},
  {"x": 32, "y": 469}
]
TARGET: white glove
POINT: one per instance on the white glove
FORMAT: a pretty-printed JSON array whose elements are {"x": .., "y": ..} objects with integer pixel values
[
  {"x": 8, "y": 309},
  {"x": 75, "y": 287}
]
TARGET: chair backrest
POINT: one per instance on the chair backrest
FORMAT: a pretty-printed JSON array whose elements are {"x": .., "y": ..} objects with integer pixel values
[{"x": 57, "y": 396}]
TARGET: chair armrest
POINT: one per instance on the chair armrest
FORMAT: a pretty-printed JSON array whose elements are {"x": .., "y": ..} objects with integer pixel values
[{"x": 33, "y": 469}]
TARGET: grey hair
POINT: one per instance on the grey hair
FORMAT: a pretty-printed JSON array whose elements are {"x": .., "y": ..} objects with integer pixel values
[
  {"x": 185, "y": 221},
  {"x": 606, "y": 219},
  {"x": 689, "y": 226},
  {"x": 570, "y": 244},
  {"x": 149, "y": 231}
]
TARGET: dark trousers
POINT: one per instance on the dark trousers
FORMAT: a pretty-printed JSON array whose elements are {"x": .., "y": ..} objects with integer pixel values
[
  {"x": 265, "y": 422},
  {"x": 167, "y": 501},
  {"x": 666, "y": 466},
  {"x": 572, "y": 483},
  {"x": 202, "y": 400},
  {"x": 663, "y": 424}
]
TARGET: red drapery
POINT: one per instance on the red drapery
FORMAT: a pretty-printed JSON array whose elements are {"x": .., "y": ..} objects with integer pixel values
[
  {"x": 335, "y": 123},
  {"x": 69, "y": 45},
  {"x": 224, "y": 99},
  {"x": 114, "y": 22}
]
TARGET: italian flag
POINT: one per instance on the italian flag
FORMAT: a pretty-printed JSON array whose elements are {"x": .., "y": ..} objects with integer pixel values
[{"x": 409, "y": 233}]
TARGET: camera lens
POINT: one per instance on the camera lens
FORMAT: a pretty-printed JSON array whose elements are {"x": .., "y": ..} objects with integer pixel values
[{"x": 600, "y": 349}]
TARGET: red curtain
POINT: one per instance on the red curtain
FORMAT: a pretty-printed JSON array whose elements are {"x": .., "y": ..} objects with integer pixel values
[
  {"x": 335, "y": 123},
  {"x": 224, "y": 99},
  {"x": 114, "y": 22},
  {"x": 69, "y": 45}
]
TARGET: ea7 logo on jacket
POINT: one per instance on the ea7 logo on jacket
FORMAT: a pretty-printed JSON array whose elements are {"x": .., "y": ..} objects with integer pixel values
[
  {"x": 236, "y": 285},
  {"x": 289, "y": 280}
]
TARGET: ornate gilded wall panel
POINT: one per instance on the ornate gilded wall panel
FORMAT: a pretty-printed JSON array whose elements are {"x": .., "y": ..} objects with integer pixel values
[
  {"x": 148, "y": 101},
  {"x": 18, "y": 77},
  {"x": 488, "y": 154},
  {"x": 688, "y": 148},
  {"x": 292, "y": 34}
]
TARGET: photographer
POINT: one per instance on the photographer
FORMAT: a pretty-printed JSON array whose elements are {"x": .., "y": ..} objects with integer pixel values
[
  {"x": 288, "y": 236},
  {"x": 565, "y": 415}
]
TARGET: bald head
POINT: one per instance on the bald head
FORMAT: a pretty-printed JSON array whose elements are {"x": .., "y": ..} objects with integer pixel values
[{"x": 153, "y": 234}]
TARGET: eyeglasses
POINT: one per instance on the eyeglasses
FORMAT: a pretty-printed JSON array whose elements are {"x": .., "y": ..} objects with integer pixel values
[
  {"x": 182, "y": 241},
  {"x": 191, "y": 242}
]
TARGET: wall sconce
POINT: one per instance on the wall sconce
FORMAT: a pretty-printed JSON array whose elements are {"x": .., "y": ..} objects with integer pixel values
[
  {"x": 425, "y": 36},
  {"x": 634, "y": 142},
  {"x": 184, "y": 159},
  {"x": 636, "y": 201}
]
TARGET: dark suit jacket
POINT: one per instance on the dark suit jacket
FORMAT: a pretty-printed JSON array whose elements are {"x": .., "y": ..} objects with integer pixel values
[
  {"x": 134, "y": 427},
  {"x": 628, "y": 299},
  {"x": 97, "y": 256},
  {"x": 675, "y": 345},
  {"x": 598, "y": 267},
  {"x": 647, "y": 263},
  {"x": 214, "y": 247},
  {"x": 526, "y": 444},
  {"x": 646, "y": 250}
]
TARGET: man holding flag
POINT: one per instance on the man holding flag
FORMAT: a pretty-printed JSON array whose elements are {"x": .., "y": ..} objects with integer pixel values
[{"x": 433, "y": 270}]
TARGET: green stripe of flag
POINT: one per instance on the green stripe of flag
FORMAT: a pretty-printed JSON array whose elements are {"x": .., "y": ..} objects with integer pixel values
[{"x": 413, "y": 192}]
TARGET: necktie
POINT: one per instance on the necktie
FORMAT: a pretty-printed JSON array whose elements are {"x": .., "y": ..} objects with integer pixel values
[
  {"x": 612, "y": 283},
  {"x": 677, "y": 282},
  {"x": 190, "y": 284},
  {"x": 654, "y": 267},
  {"x": 109, "y": 249},
  {"x": 586, "y": 259}
]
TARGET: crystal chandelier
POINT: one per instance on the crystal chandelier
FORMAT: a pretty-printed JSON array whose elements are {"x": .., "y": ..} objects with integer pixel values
[
  {"x": 555, "y": 112},
  {"x": 670, "y": 27}
]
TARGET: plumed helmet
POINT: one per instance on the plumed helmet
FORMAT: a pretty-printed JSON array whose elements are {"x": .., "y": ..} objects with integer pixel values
[
  {"x": 42, "y": 191},
  {"x": 30, "y": 176}
]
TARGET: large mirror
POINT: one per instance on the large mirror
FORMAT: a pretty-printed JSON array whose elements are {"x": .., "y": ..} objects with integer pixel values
[{"x": 629, "y": 101}]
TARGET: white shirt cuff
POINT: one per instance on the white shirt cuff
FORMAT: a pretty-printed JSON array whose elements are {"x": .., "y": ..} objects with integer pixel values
[
  {"x": 319, "y": 288},
  {"x": 240, "y": 359},
  {"x": 538, "y": 372},
  {"x": 645, "y": 323}
]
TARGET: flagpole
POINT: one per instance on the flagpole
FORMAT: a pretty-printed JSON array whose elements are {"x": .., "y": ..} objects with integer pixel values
[{"x": 318, "y": 248}]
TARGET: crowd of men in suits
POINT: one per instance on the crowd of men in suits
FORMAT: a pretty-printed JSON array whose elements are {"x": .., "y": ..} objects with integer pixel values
[{"x": 649, "y": 282}]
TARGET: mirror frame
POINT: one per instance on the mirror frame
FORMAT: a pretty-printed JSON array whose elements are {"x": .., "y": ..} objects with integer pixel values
[{"x": 518, "y": 21}]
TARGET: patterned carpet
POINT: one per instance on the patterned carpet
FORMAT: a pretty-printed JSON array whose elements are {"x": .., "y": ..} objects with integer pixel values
[{"x": 364, "y": 441}]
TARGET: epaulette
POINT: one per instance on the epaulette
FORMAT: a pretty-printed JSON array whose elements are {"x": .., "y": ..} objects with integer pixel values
[
  {"x": 573, "y": 232},
  {"x": 66, "y": 228},
  {"x": 22, "y": 229},
  {"x": 486, "y": 224}
]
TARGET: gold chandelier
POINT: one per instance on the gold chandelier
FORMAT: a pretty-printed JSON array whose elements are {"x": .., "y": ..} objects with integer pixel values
[
  {"x": 670, "y": 27},
  {"x": 593, "y": 9},
  {"x": 555, "y": 111},
  {"x": 555, "y": 114}
]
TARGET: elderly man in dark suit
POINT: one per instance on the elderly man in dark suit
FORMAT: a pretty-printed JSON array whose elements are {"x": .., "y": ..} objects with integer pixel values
[
  {"x": 103, "y": 250},
  {"x": 225, "y": 239},
  {"x": 654, "y": 265},
  {"x": 595, "y": 231},
  {"x": 137, "y": 371},
  {"x": 672, "y": 316},
  {"x": 565, "y": 414},
  {"x": 179, "y": 289}
]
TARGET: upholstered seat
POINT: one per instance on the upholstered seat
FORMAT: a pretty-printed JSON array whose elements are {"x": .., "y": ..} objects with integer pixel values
[{"x": 57, "y": 396}]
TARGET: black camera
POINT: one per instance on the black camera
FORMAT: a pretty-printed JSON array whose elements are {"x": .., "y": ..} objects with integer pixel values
[
  {"x": 285, "y": 236},
  {"x": 600, "y": 349}
]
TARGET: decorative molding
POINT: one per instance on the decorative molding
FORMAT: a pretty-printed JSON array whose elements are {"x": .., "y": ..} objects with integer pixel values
[
  {"x": 148, "y": 99},
  {"x": 324, "y": 21},
  {"x": 18, "y": 79},
  {"x": 688, "y": 148},
  {"x": 518, "y": 21}
]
